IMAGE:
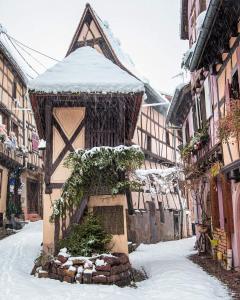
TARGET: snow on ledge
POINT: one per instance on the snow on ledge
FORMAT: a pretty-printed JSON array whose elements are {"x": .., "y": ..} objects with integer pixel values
[{"x": 86, "y": 71}]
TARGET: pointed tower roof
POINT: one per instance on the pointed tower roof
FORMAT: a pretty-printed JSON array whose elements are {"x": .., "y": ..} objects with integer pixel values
[
  {"x": 111, "y": 47},
  {"x": 86, "y": 71}
]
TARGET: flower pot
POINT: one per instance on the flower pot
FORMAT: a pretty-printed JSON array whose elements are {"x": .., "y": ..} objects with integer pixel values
[{"x": 202, "y": 228}]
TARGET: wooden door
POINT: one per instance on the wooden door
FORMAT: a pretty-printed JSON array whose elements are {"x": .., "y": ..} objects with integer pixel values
[{"x": 33, "y": 196}]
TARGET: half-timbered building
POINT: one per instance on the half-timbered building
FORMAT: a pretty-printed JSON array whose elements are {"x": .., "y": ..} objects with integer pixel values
[
  {"x": 82, "y": 102},
  {"x": 211, "y": 155},
  {"x": 20, "y": 162},
  {"x": 158, "y": 142}
]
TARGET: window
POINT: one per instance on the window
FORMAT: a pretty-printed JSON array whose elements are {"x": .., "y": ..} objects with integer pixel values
[
  {"x": 15, "y": 129},
  {"x": 167, "y": 138},
  {"x": 149, "y": 143},
  {"x": 180, "y": 134},
  {"x": 208, "y": 101},
  {"x": 187, "y": 133},
  {"x": 161, "y": 210},
  {"x": 203, "y": 108},
  {"x": 4, "y": 120},
  {"x": 14, "y": 90},
  {"x": 235, "y": 93},
  {"x": 195, "y": 117}
]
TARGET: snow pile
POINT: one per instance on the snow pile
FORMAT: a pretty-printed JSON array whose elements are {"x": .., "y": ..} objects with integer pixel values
[{"x": 86, "y": 71}]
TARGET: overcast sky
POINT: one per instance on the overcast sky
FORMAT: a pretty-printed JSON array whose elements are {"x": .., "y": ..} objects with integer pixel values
[{"x": 148, "y": 30}]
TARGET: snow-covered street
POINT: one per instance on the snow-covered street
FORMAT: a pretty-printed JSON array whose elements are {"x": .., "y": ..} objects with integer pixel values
[{"x": 172, "y": 275}]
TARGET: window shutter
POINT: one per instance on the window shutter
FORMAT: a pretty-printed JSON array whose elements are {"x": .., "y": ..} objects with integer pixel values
[
  {"x": 184, "y": 134},
  {"x": 227, "y": 204},
  {"x": 208, "y": 102}
]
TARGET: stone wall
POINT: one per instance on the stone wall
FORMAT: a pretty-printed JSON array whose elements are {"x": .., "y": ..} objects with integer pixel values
[
  {"x": 145, "y": 226},
  {"x": 221, "y": 249},
  {"x": 102, "y": 269}
]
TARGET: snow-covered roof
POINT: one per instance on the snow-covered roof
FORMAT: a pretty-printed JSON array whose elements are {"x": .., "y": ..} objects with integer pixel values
[
  {"x": 122, "y": 56},
  {"x": 86, "y": 71},
  {"x": 12, "y": 55},
  {"x": 175, "y": 103},
  {"x": 127, "y": 62},
  {"x": 199, "y": 21}
]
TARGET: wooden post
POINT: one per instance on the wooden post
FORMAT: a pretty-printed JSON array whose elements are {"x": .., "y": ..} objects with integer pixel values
[{"x": 48, "y": 132}]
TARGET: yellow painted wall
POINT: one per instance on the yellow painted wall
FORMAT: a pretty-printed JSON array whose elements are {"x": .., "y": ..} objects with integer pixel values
[
  {"x": 119, "y": 242},
  {"x": 4, "y": 184}
]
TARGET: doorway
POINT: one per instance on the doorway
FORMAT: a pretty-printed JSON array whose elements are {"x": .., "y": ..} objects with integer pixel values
[{"x": 33, "y": 193}]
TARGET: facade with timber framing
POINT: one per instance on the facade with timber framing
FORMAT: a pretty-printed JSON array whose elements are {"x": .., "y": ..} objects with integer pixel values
[
  {"x": 20, "y": 162},
  {"x": 202, "y": 107},
  {"x": 158, "y": 143}
]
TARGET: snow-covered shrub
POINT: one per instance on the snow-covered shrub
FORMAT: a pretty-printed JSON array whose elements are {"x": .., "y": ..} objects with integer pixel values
[{"x": 87, "y": 238}]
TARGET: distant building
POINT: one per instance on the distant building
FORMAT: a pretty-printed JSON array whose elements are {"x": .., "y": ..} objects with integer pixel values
[{"x": 20, "y": 161}]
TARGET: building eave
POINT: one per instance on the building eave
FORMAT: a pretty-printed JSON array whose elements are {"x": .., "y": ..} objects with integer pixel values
[
  {"x": 176, "y": 102},
  {"x": 14, "y": 64},
  {"x": 207, "y": 27}
]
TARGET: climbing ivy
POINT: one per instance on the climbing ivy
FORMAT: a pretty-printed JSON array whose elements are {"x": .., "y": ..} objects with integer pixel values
[{"x": 100, "y": 167}]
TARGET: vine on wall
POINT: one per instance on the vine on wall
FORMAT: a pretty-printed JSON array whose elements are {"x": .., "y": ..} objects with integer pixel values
[{"x": 100, "y": 167}]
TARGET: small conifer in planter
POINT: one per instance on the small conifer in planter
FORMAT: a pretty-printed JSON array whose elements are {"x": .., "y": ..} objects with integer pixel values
[{"x": 87, "y": 238}]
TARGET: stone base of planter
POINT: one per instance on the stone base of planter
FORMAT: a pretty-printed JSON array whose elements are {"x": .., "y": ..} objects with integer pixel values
[{"x": 102, "y": 269}]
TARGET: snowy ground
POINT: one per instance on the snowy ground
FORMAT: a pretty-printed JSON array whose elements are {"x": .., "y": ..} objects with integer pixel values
[{"x": 172, "y": 275}]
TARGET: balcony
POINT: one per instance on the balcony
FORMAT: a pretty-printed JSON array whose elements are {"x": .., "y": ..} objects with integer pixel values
[
  {"x": 10, "y": 157},
  {"x": 199, "y": 155}
]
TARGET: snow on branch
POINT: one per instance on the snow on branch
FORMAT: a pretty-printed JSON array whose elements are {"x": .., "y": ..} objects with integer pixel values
[{"x": 159, "y": 181}]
